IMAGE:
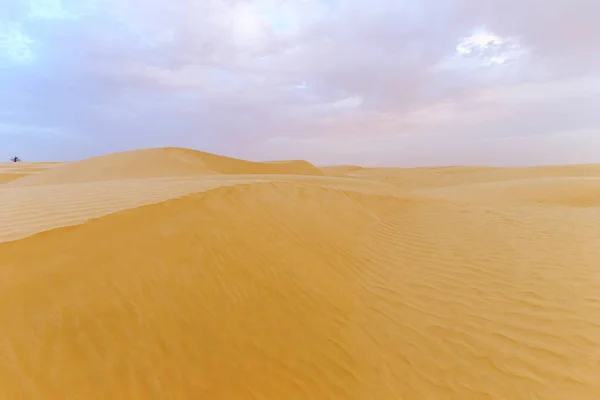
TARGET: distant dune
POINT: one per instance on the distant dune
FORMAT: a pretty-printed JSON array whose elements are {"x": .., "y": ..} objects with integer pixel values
[
  {"x": 426, "y": 178},
  {"x": 340, "y": 169},
  {"x": 160, "y": 162},
  {"x": 12, "y": 171},
  {"x": 177, "y": 274}
]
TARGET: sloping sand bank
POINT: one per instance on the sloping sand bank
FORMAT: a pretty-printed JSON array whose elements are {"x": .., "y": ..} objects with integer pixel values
[
  {"x": 158, "y": 163},
  {"x": 11, "y": 171},
  {"x": 284, "y": 286}
]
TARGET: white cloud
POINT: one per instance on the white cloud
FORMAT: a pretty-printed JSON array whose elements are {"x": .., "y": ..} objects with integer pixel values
[
  {"x": 348, "y": 102},
  {"x": 484, "y": 49},
  {"x": 15, "y": 45},
  {"x": 49, "y": 9}
]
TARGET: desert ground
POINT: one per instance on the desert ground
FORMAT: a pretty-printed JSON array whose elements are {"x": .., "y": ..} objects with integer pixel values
[{"x": 176, "y": 274}]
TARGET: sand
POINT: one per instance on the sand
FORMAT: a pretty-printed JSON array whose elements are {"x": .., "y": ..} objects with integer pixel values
[
  {"x": 12, "y": 171},
  {"x": 174, "y": 274}
]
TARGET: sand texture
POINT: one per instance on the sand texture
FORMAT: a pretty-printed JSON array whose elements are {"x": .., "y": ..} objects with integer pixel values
[
  {"x": 12, "y": 171},
  {"x": 175, "y": 274}
]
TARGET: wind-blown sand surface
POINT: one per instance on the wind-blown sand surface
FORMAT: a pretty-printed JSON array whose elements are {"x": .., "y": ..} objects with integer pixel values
[
  {"x": 12, "y": 171},
  {"x": 174, "y": 274}
]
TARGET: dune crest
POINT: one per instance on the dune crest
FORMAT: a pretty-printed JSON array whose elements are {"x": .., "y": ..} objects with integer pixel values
[{"x": 159, "y": 163}]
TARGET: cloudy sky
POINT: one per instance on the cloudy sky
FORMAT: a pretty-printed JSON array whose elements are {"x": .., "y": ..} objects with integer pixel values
[{"x": 378, "y": 82}]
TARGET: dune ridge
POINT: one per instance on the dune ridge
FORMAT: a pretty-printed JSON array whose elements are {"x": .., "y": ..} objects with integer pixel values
[
  {"x": 369, "y": 285},
  {"x": 157, "y": 163},
  {"x": 26, "y": 210}
]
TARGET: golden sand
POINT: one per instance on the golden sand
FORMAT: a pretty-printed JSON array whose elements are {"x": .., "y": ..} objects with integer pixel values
[
  {"x": 174, "y": 274},
  {"x": 12, "y": 171}
]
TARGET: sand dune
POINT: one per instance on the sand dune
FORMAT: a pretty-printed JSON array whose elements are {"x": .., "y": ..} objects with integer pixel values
[
  {"x": 25, "y": 210},
  {"x": 340, "y": 170},
  {"x": 571, "y": 192},
  {"x": 157, "y": 163},
  {"x": 11, "y": 171},
  {"x": 423, "y": 178},
  {"x": 374, "y": 284}
]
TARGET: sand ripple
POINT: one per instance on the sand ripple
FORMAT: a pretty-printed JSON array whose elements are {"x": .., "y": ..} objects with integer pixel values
[{"x": 287, "y": 287}]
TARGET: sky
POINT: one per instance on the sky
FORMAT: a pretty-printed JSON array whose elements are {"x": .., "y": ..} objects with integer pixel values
[{"x": 377, "y": 83}]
